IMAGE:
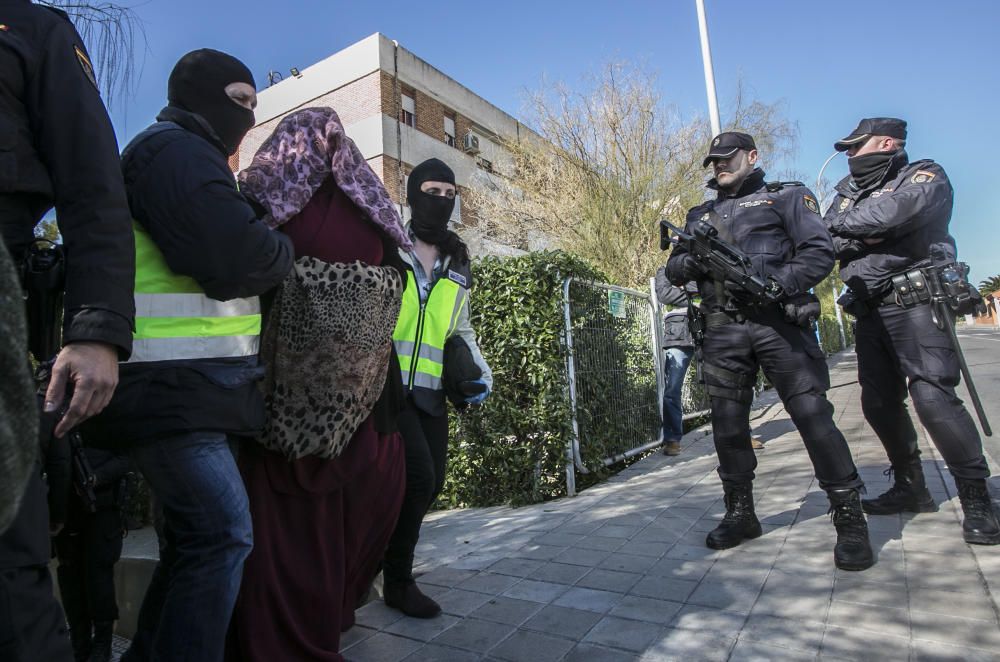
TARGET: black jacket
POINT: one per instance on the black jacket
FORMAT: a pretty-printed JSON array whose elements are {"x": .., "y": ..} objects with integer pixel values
[
  {"x": 910, "y": 210},
  {"x": 780, "y": 231},
  {"x": 181, "y": 190},
  {"x": 57, "y": 148},
  {"x": 676, "y": 332}
]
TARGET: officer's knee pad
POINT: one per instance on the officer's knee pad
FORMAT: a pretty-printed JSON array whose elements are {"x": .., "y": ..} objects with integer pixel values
[
  {"x": 812, "y": 414},
  {"x": 927, "y": 397}
]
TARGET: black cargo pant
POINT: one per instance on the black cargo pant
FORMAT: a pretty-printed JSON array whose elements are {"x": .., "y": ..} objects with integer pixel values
[
  {"x": 88, "y": 550},
  {"x": 792, "y": 360},
  {"x": 426, "y": 440},
  {"x": 902, "y": 351}
]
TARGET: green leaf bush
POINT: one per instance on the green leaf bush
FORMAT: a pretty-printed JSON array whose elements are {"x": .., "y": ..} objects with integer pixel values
[{"x": 512, "y": 449}]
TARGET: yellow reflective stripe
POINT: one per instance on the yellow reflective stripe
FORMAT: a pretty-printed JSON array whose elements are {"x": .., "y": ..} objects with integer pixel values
[
  {"x": 429, "y": 367},
  {"x": 406, "y": 324},
  {"x": 152, "y": 275},
  {"x": 196, "y": 327},
  {"x": 405, "y": 361}
]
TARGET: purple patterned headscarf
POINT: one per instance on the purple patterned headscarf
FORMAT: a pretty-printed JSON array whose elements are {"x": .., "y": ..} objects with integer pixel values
[{"x": 305, "y": 148}]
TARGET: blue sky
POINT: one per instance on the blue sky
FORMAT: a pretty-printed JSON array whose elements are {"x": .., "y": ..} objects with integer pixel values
[{"x": 830, "y": 63}]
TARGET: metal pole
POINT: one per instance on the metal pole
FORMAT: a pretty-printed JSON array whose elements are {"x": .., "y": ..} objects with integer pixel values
[
  {"x": 836, "y": 294},
  {"x": 819, "y": 179},
  {"x": 706, "y": 57},
  {"x": 840, "y": 316},
  {"x": 573, "y": 459},
  {"x": 658, "y": 357}
]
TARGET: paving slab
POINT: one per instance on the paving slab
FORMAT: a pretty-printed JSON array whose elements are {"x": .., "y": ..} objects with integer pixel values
[{"x": 620, "y": 572}]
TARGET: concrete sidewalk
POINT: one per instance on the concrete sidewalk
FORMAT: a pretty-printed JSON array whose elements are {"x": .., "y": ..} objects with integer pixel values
[{"x": 621, "y": 571}]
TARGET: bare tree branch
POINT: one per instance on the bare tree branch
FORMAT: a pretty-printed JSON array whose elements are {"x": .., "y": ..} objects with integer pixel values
[
  {"x": 112, "y": 33},
  {"x": 610, "y": 159}
]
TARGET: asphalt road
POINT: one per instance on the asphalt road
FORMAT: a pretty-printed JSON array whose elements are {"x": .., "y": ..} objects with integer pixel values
[{"x": 982, "y": 352}]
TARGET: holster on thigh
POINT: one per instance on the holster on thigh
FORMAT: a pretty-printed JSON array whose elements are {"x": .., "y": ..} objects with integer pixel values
[{"x": 728, "y": 384}]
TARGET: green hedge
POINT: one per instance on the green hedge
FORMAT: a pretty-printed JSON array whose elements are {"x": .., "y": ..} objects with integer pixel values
[{"x": 512, "y": 450}]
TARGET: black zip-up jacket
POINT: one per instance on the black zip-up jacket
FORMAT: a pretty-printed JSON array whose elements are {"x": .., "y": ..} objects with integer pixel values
[
  {"x": 780, "y": 230},
  {"x": 57, "y": 148},
  {"x": 909, "y": 210},
  {"x": 181, "y": 190}
]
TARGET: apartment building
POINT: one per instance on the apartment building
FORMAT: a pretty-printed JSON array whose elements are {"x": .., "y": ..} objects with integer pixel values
[{"x": 399, "y": 110}]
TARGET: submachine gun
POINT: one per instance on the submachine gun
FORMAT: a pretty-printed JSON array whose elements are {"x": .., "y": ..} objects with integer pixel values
[
  {"x": 722, "y": 261},
  {"x": 66, "y": 464},
  {"x": 951, "y": 294}
]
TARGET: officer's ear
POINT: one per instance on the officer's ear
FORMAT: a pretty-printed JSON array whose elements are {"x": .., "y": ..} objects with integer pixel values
[{"x": 752, "y": 157}]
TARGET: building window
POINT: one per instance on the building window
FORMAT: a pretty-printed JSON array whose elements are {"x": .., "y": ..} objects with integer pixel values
[
  {"x": 449, "y": 130},
  {"x": 408, "y": 110}
]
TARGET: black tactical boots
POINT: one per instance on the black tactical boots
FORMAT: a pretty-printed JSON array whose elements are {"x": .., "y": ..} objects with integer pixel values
[
  {"x": 908, "y": 493},
  {"x": 853, "y": 550},
  {"x": 740, "y": 522},
  {"x": 980, "y": 526}
]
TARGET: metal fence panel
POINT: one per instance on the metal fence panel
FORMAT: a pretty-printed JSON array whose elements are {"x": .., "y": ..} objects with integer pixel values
[{"x": 615, "y": 378}]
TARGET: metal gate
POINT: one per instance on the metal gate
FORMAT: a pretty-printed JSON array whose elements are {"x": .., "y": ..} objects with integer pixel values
[{"x": 615, "y": 373}]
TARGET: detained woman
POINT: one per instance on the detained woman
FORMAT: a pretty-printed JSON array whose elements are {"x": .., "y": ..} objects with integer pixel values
[
  {"x": 326, "y": 479},
  {"x": 434, "y": 318}
]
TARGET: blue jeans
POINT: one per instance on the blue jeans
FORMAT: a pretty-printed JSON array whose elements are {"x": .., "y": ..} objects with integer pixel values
[
  {"x": 675, "y": 367},
  {"x": 206, "y": 537}
]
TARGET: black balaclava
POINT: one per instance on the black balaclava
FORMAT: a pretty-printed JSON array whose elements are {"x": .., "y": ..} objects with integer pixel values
[
  {"x": 431, "y": 213},
  {"x": 198, "y": 85},
  {"x": 870, "y": 170}
]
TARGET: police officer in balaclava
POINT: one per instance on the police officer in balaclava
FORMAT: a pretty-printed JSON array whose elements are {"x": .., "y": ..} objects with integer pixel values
[
  {"x": 189, "y": 392},
  {"x": 216, "y": 92},
  {"x": 433, "y": 337}
]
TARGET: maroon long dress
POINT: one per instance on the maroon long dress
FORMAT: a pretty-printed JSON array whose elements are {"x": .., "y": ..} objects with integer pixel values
[{"x": 320, "y": 527}]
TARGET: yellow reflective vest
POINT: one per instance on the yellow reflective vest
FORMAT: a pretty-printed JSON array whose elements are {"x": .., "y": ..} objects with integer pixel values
[
  {"x": 423, "y": 328},
  {"x": 175, "y": 320}
]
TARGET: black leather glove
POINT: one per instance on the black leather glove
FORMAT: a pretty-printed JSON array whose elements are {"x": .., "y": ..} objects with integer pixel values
[
  {"x": 803, "y": 311},
  {"x": 690, "y": 267}
]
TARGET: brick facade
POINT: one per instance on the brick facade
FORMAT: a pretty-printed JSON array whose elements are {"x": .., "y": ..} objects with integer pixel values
[
  {"x": 378, "y": 94},
  {"x": 353, "y": 102}
]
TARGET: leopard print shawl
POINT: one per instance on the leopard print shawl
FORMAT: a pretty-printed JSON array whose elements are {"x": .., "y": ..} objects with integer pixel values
[{"x": 327, "y": 345}]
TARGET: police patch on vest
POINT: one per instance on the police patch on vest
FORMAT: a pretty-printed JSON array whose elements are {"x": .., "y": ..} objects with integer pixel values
[
  {"x": 811, "y": 204},
  {"x": 843, "y": 204},
  {"x": 85, "y": 64},
  {"x": 921, "y": 177},
  {"x": 458, "y": 278}
]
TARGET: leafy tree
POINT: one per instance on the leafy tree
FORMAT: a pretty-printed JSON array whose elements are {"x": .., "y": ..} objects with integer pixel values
[{"x": 989, "y": 285}]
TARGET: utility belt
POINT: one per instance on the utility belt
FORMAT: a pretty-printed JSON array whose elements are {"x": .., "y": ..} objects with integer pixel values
[
  {"x": 722, "y": 318},
  {"x": 918, "y": 287},
  {"x": 864, "y": 307},
  {"x": 801, "y": 310}
]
